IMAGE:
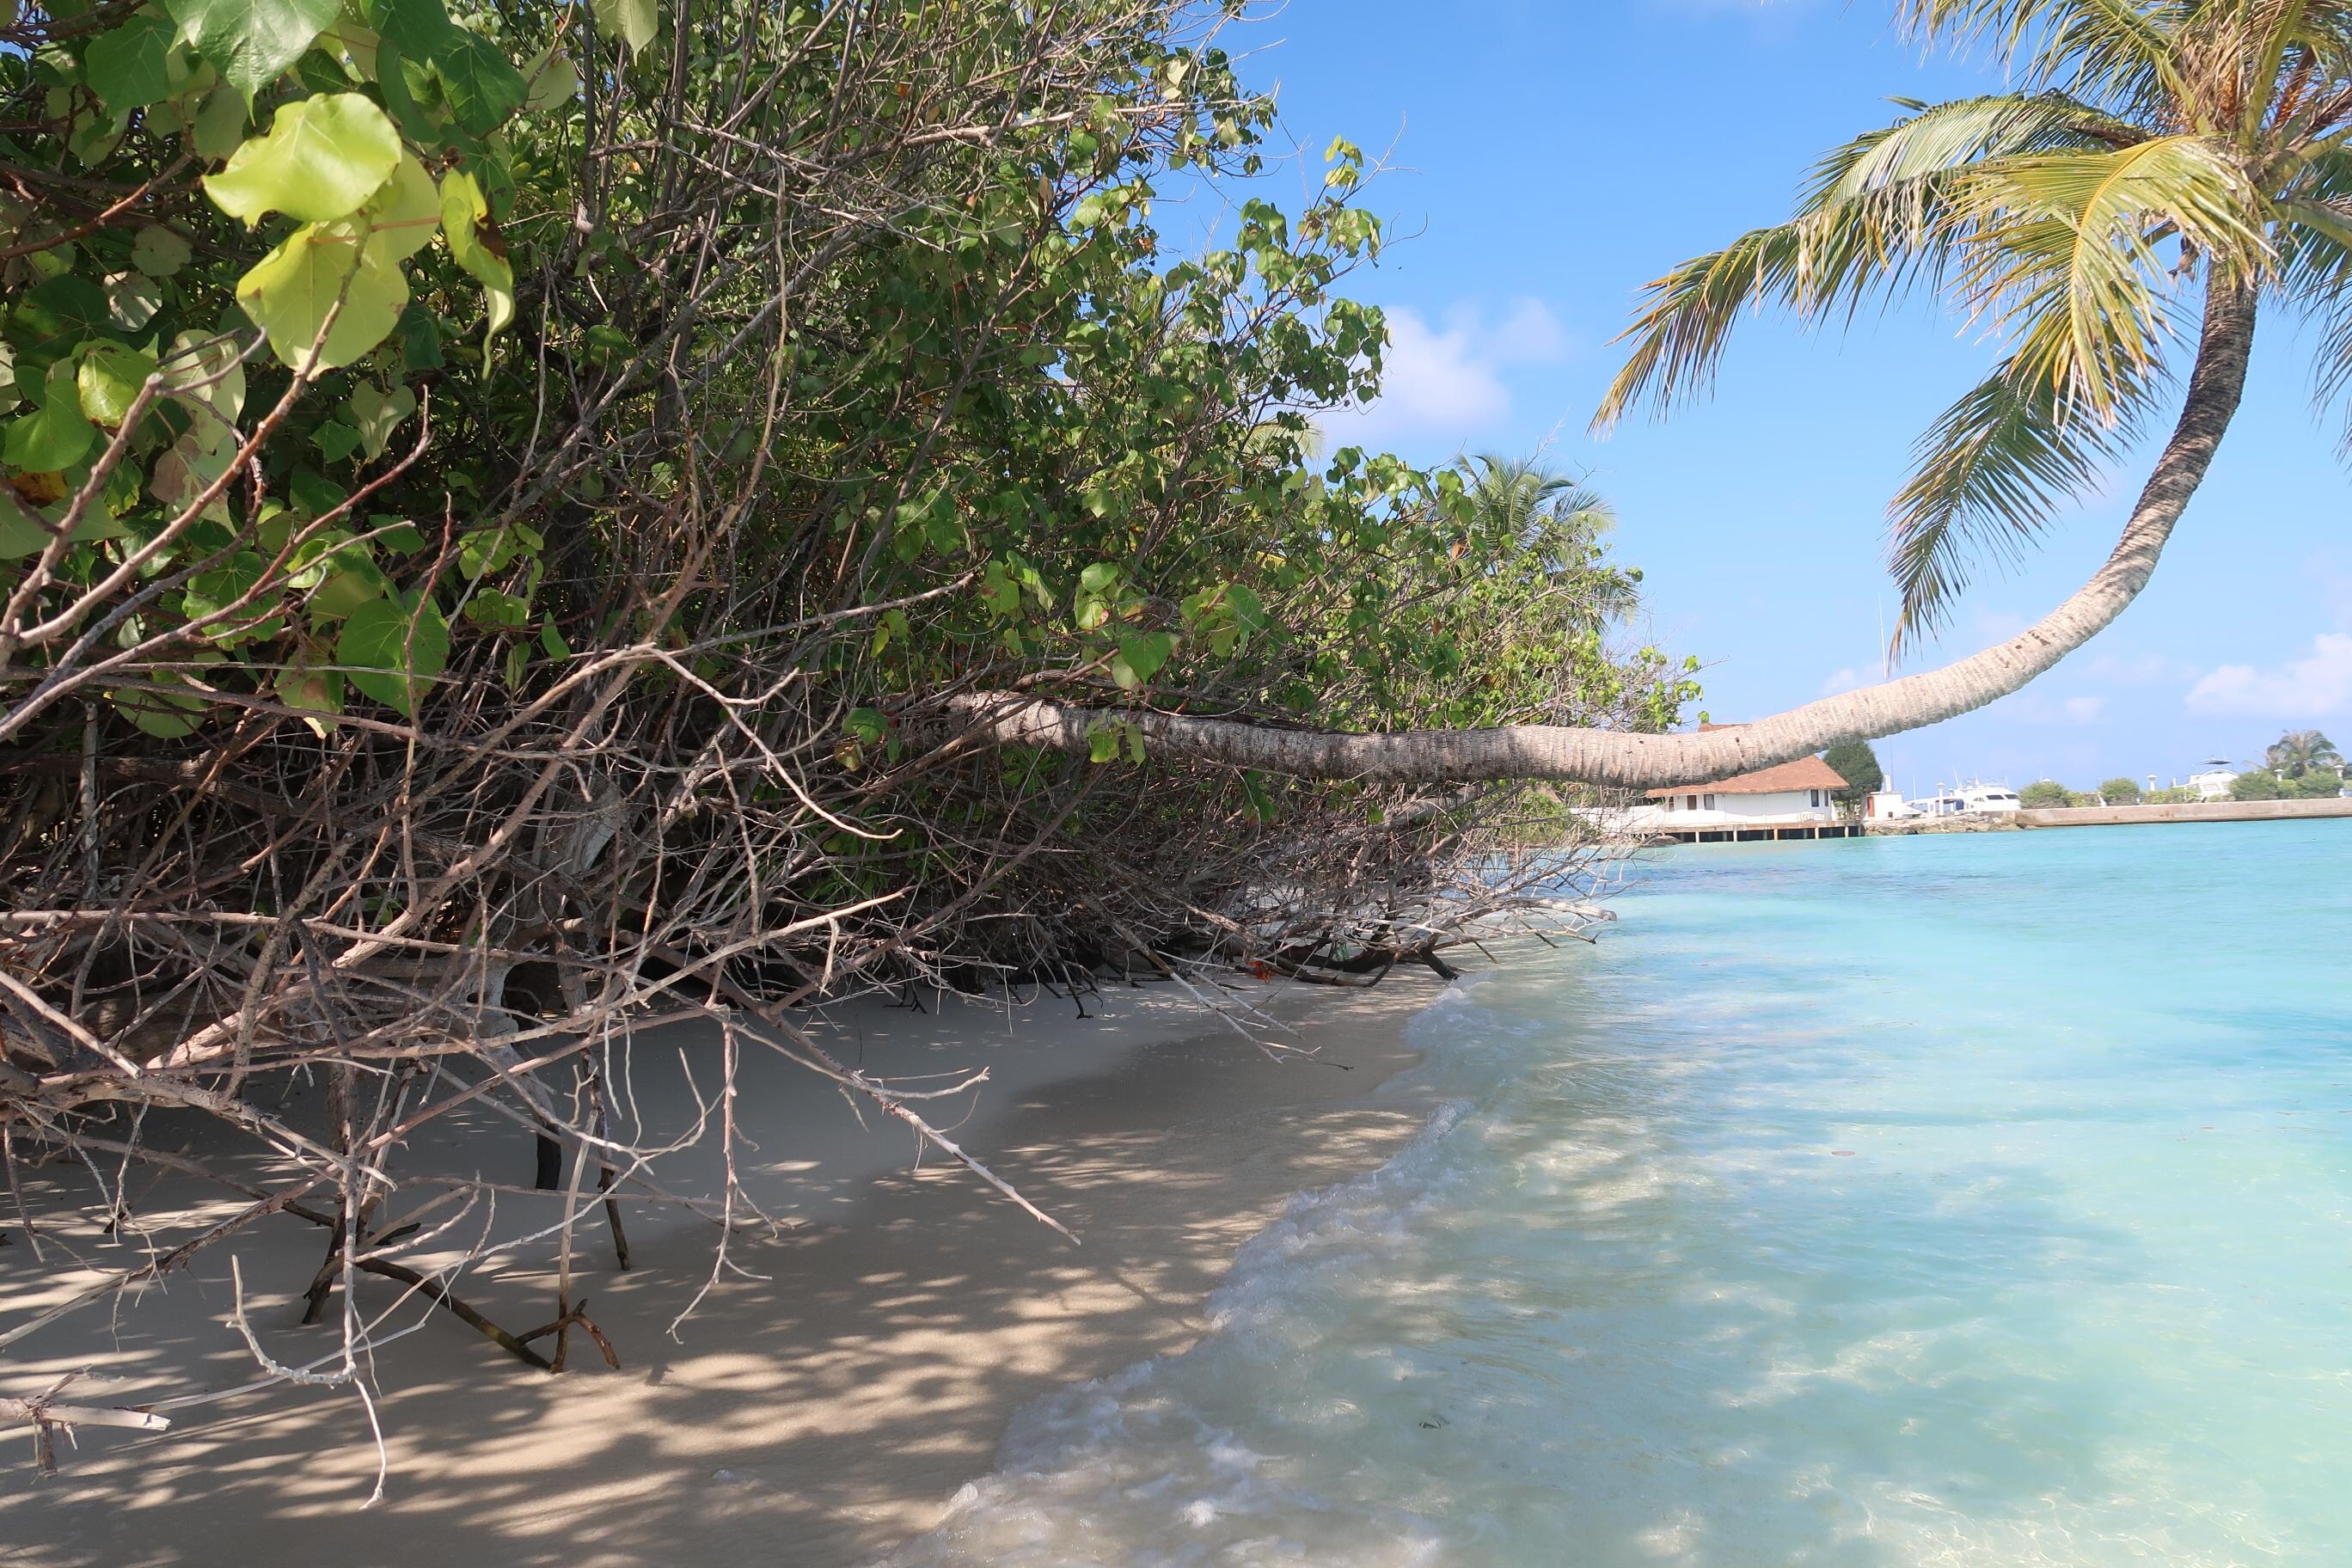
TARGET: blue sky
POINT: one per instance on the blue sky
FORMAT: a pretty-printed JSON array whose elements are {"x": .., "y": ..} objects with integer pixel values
[{"x": 1548, "y": 159}]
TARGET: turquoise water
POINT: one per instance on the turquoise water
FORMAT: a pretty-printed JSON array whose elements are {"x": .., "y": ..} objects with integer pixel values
[{"x": 1976, "y": 1200}]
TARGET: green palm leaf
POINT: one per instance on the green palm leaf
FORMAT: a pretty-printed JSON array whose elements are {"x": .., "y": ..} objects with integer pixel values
[{"x": 1990, "y": 470}]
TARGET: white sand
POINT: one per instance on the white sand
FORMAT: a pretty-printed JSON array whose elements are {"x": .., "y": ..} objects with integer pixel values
[{"x": 812, "y": 1415}]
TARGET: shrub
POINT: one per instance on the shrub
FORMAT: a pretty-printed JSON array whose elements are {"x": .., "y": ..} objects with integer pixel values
[{"x": 2257, "y": 783}]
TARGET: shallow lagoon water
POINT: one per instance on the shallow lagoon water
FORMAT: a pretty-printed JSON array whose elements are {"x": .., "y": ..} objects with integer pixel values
[{"x": 1967, "y": 1200}]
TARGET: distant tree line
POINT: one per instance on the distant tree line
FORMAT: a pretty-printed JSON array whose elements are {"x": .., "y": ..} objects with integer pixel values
[{"x": 2302, "y": 764}]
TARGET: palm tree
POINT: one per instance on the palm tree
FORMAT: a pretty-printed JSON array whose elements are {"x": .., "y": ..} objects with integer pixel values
[
  {"x": 2299, "y": 751},
  {"x": 1558, "y": 521},
  {"x": 2159, "y": 159}
]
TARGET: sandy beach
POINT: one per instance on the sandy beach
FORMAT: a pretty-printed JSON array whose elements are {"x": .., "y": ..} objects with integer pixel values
[{"x": 823, "y": 1403}]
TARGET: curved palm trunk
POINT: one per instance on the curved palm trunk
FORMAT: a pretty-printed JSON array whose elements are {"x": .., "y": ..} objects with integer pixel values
[{"x": 1652, "y": 762}]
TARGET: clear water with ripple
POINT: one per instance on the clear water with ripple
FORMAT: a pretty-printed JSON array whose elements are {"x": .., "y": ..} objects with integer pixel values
[{"x": 1976, "y": 1200}]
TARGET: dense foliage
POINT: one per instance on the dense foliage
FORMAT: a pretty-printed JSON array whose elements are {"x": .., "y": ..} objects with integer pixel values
[
  {"x": 499, "y": 500},
  {"x": 1857, "y": 764}
]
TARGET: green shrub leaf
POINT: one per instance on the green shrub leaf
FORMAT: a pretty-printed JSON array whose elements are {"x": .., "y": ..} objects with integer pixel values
[
  {"x": 463, "y": 207},
  {"x": 291, "y": 292},
  {"x": 633, "y": 22},
  {"x": 391, "y": 651},
  {"x": 322, "y": 160},
  {"x": 126, "y": 66},
  {"x": 110, "y": 380},
  {"x": 253, "y": 41}
]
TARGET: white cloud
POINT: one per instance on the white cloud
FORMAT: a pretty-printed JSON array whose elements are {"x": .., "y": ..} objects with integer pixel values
[
  {"x": 2030, "y": 707},
  {"x": 1844, "y": 680},
  {"x": 2140, "y": 669},
  {"x": 2310, "y": 687},
  {"x": 1448, "y": 383}
]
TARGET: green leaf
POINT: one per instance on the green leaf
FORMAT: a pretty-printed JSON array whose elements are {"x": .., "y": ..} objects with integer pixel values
[
  {"x": 391, "y": 651},
  {"x": 551, "y": 80},
  {"x": 314, "y": 493},
  {"x": 1102, "y": 741},
  {"x": 253, "y": 41},
  {"x": 463, "y": 207},
  {"x": 132, "y": 300},
  {"x": 57, "y": 315},
  {"x": 322, "y": 160},
  {"x": 488, "y": 550},
  {"x": 1261, "y": 802},
  {"x": 498, "y": 612},
  {"x": 1092, "y": 604},
  {"x": 1140, "y": 656},
  {"x": 483, "y": 85},
  {"x": 867, "y": 724},
  {"x": 54, "y": 435},
  {"x": 220, "y": 123},
  {"x": 311, "y": 690},
  {"x": 335, "y": 441},
  {"x": 344, "y": 592},
  {"x": 420, "y": 340},
  {"x": 290, "y": 292},
  {"x": 158, "y": 252},
  {"x": 167, "y": 715},
  {"x": 125, "y": 66},
  {"x": 325, "y": 554},
  {"x": 110, "y": 380},
  {"x": 553, "y": 641},
  {"x": 204, "y": 373},
  {"x": 999, "y": 592},
  {"x": 404, "y": 215},
  {"x": 212, "y": 592},
  {"x": 633, "y": 22},
  {"x": 399, "y": 79},
  {"x": 376, "y": 413},
  {"x": 396, "y": 535}
]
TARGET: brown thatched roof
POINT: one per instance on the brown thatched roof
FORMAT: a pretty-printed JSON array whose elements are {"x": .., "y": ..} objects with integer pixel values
[{"x": 1805, "y": 773}]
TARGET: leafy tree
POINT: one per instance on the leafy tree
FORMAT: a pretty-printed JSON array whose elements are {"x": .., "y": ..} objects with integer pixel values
[
  {"x": 2043, "y": 793},
  {"x": 2120, "y": 791},
  {"x": 501, "y": 508},
  {"x": 2299, "y": 751},
  {"x": 1857, "y": 764},
  {"x": 2257, "y": 783},
  {"x": 2154, "y": 160},
  {"x": 2319, "y": 784}
]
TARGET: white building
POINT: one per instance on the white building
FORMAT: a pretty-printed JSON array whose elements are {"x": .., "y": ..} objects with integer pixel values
[
  {"x": 1792, "y": 795},
  {"x": 1887, "y": 806}
]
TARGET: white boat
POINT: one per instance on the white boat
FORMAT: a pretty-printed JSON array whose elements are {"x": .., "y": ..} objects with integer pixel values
[
  {"x": 1978, "y": 799},
  {"x": 2214, "y": 781}
]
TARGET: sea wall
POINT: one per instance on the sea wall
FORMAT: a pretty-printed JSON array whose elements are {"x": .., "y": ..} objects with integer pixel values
[
  {"x": 1973, "y": 822},
  {"x": 2202, "y": 811}
]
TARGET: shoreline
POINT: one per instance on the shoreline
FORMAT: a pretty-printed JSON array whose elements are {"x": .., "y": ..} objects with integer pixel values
[{"x": 822, "y": 1405}]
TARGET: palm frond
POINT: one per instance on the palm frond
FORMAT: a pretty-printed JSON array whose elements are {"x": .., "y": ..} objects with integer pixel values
[
  {"x": 1988, "y": 471},
  {"x": 2115, "y": 51},
  {"x": 1877, "y": 214},
  {"x": 2082, "y": 233}
]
